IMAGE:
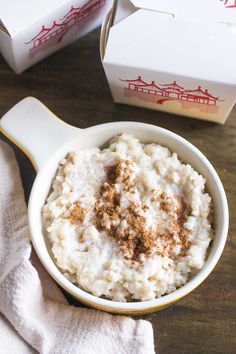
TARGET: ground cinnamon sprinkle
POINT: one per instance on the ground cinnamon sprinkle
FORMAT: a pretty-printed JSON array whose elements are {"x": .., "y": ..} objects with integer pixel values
[
  {"x": 77, "y": 214},
  {"x": 136, "y": 238},
  {"x": 165, "y": 203},
  {"x": 173, "y": 233}
]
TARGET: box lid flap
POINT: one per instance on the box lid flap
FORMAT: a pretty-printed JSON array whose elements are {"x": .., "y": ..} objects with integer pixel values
[
  {"x": 17, "y": 15},
  {"x": 181, "y": 48},
  {"x": 123, "y": 9},
  {"x": 203, "y": 11}
]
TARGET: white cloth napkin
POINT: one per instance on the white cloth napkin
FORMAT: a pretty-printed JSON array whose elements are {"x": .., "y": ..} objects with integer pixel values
[{"x": 34, "y": 314}]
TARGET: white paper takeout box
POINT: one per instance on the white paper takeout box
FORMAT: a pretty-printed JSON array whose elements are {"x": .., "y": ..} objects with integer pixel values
[
  {"x": 177, "y": 56},
  {"x": 30, "y": 30}
]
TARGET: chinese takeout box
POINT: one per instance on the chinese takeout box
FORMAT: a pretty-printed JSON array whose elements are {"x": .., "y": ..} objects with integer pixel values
[
  {"x": 30, "y": 30},
  {"x": 177, "y": 56}
]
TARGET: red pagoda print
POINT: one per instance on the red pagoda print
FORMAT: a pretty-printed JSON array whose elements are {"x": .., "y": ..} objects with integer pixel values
[
  {"x": 161, "y": 93},
  {"x": 229, "y": 4},
  {"x": 49, "y": 36}
]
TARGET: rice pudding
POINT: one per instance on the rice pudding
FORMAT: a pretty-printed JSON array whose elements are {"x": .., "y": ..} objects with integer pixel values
[{"x": 129, "y": 222}]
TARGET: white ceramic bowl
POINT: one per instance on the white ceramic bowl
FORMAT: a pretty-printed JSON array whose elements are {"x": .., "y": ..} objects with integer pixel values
[{"x": 46, "y": 140}]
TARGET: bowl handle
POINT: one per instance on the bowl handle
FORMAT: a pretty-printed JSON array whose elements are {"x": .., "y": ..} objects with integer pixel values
[{"x": 36, "y": 130}]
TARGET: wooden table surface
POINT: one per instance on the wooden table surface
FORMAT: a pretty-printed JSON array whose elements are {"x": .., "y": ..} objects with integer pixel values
[{"x": 72, "y": 83}]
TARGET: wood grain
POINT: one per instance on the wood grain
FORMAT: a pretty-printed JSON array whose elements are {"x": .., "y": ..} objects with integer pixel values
[{"x": 73, "y": 85}]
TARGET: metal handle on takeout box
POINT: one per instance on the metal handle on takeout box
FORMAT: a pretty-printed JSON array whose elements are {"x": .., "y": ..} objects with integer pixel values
[{"x": 107, "y": 24}]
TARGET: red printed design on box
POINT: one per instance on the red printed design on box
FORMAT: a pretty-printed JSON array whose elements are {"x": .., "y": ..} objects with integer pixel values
[
  {"x": 53, "y": 35},
  {"x": 229, "y": 4},
  {"x": 161, "y": 93}
]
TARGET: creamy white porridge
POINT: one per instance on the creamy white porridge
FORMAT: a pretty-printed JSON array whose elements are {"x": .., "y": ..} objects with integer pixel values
[{"x": 130, "y": 222}]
